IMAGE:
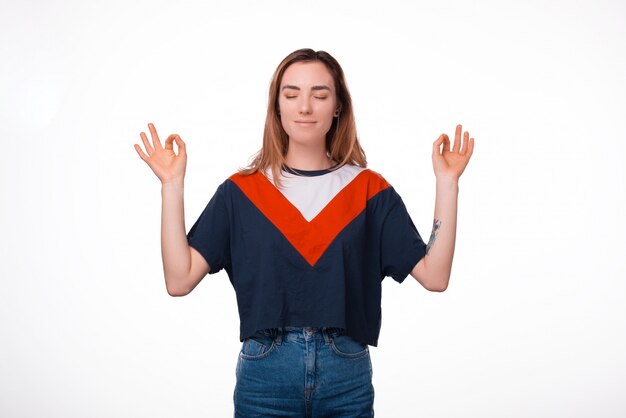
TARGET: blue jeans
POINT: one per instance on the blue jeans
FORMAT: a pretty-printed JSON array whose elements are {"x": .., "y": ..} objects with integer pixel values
[{"x": 303, "y": 372}]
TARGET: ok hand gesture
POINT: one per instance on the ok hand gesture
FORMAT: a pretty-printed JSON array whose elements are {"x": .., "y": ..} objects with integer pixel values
[
  {"x": 163, "y": 161},
  {"x": 450, "y": 164}
]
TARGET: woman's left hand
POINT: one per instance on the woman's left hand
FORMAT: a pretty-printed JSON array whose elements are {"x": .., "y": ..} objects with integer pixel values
[{"x": 451, "y": 163}]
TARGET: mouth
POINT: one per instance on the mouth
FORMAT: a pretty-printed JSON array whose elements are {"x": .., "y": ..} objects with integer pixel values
[{"x": 305, "y": 122}]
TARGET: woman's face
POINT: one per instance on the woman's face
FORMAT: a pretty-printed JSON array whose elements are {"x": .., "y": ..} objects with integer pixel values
[{"x": 307, "y": 102}]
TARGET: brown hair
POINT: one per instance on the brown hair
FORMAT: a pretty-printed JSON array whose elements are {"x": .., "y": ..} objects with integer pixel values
[{"x": 342, "y": 143}]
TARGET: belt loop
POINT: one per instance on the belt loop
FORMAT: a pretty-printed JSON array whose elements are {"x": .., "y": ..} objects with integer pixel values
[
  {"x": 279, "y": 334},
  {"x": 327, "y": 336}
]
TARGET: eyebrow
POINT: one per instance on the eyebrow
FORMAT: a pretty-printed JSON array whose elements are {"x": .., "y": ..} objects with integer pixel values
[{"x": 320, "y": 87}]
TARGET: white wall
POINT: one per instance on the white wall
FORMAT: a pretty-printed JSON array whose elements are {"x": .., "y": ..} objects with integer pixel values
[{"x": 533, "y": 322}]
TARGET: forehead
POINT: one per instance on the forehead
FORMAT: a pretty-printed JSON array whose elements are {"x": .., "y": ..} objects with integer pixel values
[{"x": 305, "y": 74}]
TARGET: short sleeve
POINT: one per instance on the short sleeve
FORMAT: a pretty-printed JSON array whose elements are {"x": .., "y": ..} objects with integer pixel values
[
  {"x": 401, "y": 244},
  {"x": 210, "y": 234}
]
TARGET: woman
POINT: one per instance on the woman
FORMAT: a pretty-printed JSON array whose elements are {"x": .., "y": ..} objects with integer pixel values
[{"x": 306, "y": 234}]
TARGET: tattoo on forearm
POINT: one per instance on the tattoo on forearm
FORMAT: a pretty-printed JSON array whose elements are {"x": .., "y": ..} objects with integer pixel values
[{"x": 433, "y": 235}]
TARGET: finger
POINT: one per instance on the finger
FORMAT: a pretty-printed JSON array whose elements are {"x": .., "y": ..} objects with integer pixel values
[
  {"x": 169, "y": 142},
  {"x": 437, "y": 144},
  {"x": 470, "y": 150},
  {"x": 141, "y": 153},
  {"x": 464, "y": 146},
  {"x": 446, "y": 144},
  {"x": 155, "y": 137},
  {"x": 457, "y": 139},
  {"x": 146, "y": 143},
  {"x": 182, "y": 149}
]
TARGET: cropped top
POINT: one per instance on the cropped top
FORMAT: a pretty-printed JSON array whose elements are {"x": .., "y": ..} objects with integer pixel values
[{"x": 312, "y": 253}]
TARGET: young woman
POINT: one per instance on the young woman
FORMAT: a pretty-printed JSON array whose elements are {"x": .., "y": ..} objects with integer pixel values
[{"x": 306, "y": 234}]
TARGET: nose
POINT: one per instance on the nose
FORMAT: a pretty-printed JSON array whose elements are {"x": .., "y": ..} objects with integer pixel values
[{"x": 305, "y": 106}]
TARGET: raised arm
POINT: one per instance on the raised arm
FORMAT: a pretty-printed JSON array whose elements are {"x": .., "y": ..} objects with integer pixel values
[
  {"x": 433, "y": 270},
  {"x": 183, "y": 266}
]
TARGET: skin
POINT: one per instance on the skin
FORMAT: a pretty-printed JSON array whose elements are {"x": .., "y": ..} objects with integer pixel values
[
  {"x": 307, "y": 104},
  {"x": 183, "y": 266},
  {"x": 433, "y": 270}
]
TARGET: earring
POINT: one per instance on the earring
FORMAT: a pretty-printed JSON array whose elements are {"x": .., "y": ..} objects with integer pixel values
[{"x": 336, "y": 113}]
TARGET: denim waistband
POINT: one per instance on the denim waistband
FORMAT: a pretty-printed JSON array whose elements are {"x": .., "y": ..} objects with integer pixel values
[{"x": 304, "y": 333}]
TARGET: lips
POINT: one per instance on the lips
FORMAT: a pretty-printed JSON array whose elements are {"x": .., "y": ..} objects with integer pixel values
[{"x": 305, "y": 122}]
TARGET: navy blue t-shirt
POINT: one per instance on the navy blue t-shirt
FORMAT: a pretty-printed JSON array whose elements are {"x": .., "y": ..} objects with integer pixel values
[{"x": 312, "y": 253}]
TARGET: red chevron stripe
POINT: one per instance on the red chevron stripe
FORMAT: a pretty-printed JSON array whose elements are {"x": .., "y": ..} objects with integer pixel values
[{"x": 311, "y": 238}]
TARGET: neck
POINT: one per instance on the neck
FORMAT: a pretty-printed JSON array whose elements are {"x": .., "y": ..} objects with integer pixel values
[{"x": 307, "y": 158}]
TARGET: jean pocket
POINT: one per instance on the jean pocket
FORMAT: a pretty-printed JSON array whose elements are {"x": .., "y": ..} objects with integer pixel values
[
  {"x": 257, "y": 347},
  {"x": 348, "y": 347}
]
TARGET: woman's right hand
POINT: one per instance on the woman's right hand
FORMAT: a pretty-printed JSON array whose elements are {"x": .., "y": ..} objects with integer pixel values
[{"x": 163, "y": 161}]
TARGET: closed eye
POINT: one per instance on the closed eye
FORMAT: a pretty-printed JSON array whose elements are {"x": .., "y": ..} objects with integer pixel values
[{"x": 317, "y": 97}]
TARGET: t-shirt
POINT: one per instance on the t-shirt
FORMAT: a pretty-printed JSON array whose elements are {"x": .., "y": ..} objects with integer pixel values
[{"x": 312, "y": 253}]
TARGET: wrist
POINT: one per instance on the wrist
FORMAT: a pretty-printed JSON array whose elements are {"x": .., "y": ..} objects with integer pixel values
[
  {"x": 172, "y": 185},
  {"x": 447, "y": 181}
]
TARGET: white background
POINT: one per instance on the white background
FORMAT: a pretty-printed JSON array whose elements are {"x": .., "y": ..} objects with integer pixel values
[{"x": 533, "y": 322}]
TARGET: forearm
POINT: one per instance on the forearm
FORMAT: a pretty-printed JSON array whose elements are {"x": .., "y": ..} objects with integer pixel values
[
  {"x": 440, "y": 248},
  {"x": 174, "y": 245}
]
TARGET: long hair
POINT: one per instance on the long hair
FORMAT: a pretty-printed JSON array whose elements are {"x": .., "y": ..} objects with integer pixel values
[{"x": 342, "y": 144}]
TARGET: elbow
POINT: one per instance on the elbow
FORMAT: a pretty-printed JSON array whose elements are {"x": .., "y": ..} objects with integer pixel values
[
  {"x": 439, "y": 285},
  {"x": 438, "y": 288},
  {"x": 176, "y": 290},
  {"x": 434, "y": 276}
]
